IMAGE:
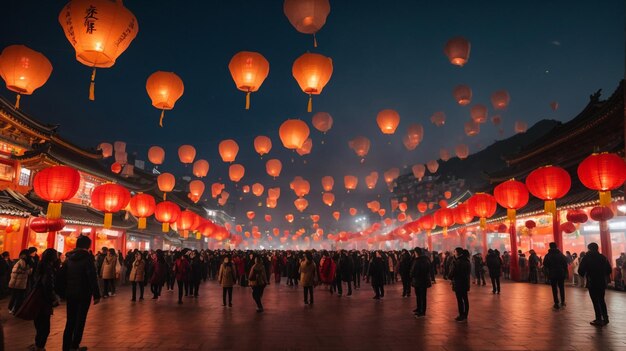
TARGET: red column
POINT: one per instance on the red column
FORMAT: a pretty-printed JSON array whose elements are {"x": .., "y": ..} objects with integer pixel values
[
  {"x": 483, "y": 233},
  {"x": 605, "y": 241},
  {"x": 93, "y": 240},
  {"x": 556, "y": 230},
  {"x": 514, "y": 269},
  {"x": 430, "y": 241},
  {"x": 463, "y": 236},
  {"x": 26, "y": 233},
  {"x": 51, "y": 239},
  {"x": 123, "y": 248}
]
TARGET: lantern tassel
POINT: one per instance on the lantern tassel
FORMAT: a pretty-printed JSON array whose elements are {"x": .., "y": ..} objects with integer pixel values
[
  {"x": 198, "y": 236},
  {"x": 309, "y": 107},
  {"x": 483, "y": 222},
  {"x": 314, "y": 40},
  {"x": 247, "y": 100},
  {"x": 108, "y": 220},
  {"x": 92, "y": 85},
  {"x": 17, "y": 101},
  {"x": 510, "y": 213},
  {"x": 445, "y": 232},
  {"x": 161, "y": 118},
  {"x": 142, "y": 223},
  {"x": 605, "y": 198},
  {"x": 185, "y": 234},
  {"x": 164, "y": 196},
  {"x": 165, "y": 227},
  {"x": 54, "y": 210},
  {"x": 550, "y": 207}
]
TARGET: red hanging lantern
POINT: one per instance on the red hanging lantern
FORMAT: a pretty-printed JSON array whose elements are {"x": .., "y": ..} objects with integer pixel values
[
  {"x": 185, "y": 222},
  {"x": 601, "y": 213},
  {"x": 577, "y": 216},
  {"x": 46, "y": 225},
  {"x": 56, "y": 184},
  {"x": 142, "y": 206},
  {"x": 427, "y": 223},
  {"x": 483, "y": 206},
  {"x": 109, "y": 198},
  {"x": 530, "y": 224},
  {"x": 511, "y": 195},
  {"x": 568, "y": 227},
  {"x": 167, "y": 213},
  {"x": 602, "y": 172},
  {"x": 549, "y": 183},
  {"x": 462, "y": 214},
  {"x": 444, "y": 217}
]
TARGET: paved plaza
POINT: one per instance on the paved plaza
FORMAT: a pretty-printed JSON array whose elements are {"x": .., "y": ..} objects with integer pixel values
[{"x": 521, "y": 318}]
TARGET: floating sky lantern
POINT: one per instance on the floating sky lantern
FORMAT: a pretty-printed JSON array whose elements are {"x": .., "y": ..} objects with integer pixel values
[
  {"x": 471, "y": 128},
  {"x": 478, "y": 113},
  {"x": 216, "y": 189},
  {"x": 602, "y": 172},
  {"x": 200, "y": 168},
  {"x": 166, "y": 183},
  {"x": 164, "y": 89},
  {"x": 409, "y": 144},
  {"x": 273, "y": 193},
  {"x": 432, "y": 166},
  {"x": 306, "y": 147},
  {"x": 312, "y": 72},
  {"x": 554, "y": 105},
  {"x": 438, "y": 118},
  {"x": 142, "y": 206},
  {"x": 322, "y": 121},
  {"x": 388, "y": 120},
  {"x": 273, "y": 167},
  {"x": 186, "y": 154},
  {"x": 371, "y": 180},
  {"x": 257, "y": 189},
  {"x": 300, "y": 186},
  {"x": 327, "y": 183},
  {"x": 24, "y": 70},
  {"x": 418, "y": 171},
  {"x": 293, "y": 133},
  {"x": 289, "y": 217},
  {"x": 415, "y": 133},
  {"x": 350, "y": 182},
  {"x": 196, "y": 189},
  {"x": 496, "y": 120},
  {"x": 109, "y": 198},
  {"x": 307, "y": 16},
  {"x": 461, "y": 151},
  {"x": 500, "y": 99},
  {"x": 353, "y": 211},
  {"x": 228, "y": 150},
  {"x": 549, "y": 183},
  {"x": 262, "y": 145},
  {"x": 336, "y": 215},
  {"x": 249, "y": 70},
  {"x": 444, "y": 154},
  {"x": 156, "y": 155},
  {"x": 374, "y": 206},
  {"x": 301, "y": 204},
  {"x": 520, "y": 127},
  {"x": 250, "y": 215},
  {"x": 457, "y": 50},
  {"x": 328, "y": 199},
  {"x": 422, "y": 206},
  {"x": 360, "y": 145},
  {"x": 99, "y": 30},
  {"x": 56, "y": 184},
  {"x": 107, "y": 149},
  {"x": 462, "y": 94},
  {"x": 236, "y": 172}
]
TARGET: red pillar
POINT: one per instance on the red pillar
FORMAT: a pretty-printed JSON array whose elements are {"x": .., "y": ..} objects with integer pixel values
[
  {"x": 430, "y": 241},
  {"x": 93, "y": 240},
  {"x": 514, "y": 269},
  {"x": 463, "y": 236},
  {"x": 123, "y": 248},
  {"x": 605, "y": 241},
  {"x": 483, "y": 233},
  {"x": 51, "y": 239},
  {"x": 556, "y": 230},
  {"x": 26, "y": 233}
]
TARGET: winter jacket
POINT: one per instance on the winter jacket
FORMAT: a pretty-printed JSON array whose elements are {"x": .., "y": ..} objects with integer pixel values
[
  {"x": 494, "y": 264},
  {"x": 347, "y": 268},
  {"x": 159, "y": 272},
  {"x": 596, "y": 269},
  {"x": 420, "y": 272},
  {"x": 138, "y": 271},
  {"x": 404, "y": 268},
  {"x": 227, "y": 275},
  {"x": 46, "y": 280},
  {"x": 555, "y": 264},
  {"x": 308, "y": 273},
  {"x": 77, "y": 277},
  {"x": 327, "y": 271},
  {"x": 19, "y": 275},
  {"x": 257, "y": 275},
  {"x": 181, "y": 269},
  {"x": 377, "y": 271},
  {"x": 460, "y": 271},
  {"x": 109, "y": 267}
]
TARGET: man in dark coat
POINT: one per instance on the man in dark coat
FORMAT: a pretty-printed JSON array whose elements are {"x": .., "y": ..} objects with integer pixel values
[
  {"x": 420, "y": 278},
  {"x": 377, "y": 273},
  {"x": 533, "y": 267},
  {"x": 347, "y": 271},
  {"x": 78, "y": 283},
  {"x": 494, "y": 265},
  {"x": 555, "y": 265},
  {"x": 404, "y": 268},
  {"x": 597, "y": 269},
  {"x": 460, "y": 272}
]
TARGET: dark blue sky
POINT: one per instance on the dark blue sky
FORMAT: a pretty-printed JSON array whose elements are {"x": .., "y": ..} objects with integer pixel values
[{"x": 385, "y": 54}]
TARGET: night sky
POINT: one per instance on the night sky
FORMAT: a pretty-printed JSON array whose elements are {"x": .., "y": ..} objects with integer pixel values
[{"x": 386, "y": 54}]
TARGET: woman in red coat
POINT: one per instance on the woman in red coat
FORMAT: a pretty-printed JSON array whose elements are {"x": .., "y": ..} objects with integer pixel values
[
  {"x": 327, "y": 270},
  {"x": 181, "y": 270}
]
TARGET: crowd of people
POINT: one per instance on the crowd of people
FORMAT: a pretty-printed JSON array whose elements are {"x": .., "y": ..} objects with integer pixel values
[{"x": 37, "y": 284}]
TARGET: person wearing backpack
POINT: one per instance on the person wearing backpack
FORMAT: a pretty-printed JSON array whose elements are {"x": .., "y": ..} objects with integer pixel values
[{"x": 258, "y": 280}]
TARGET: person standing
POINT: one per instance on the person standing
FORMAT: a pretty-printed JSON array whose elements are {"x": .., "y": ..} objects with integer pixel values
[
  {"x": 404, "y": 268},
  {"x": 420, "y": 279},
  {"x": 494, "y": 265},
  {"x": 78, "y": 284},
  {"x": 377, "y": 273},
  {"x": 159, "y": 273},
  {"x": 196, "y": 273},
  {"x": 595, "y": 267},
  {"x": 347, "y": 271},
  {"x": 258, "y": 280},
  {"x": 555, "y": 265},
  {"x": 181, "y": 271},
  {"x": 460, "y": 272},
  {"x": 5, "y": 273},
  {"x": 44, "y": 279},
  {"x": 19, "y": 281},
  {"x": 308, "y": 277},
  {"x": 533, "y": 267},
  {"x": 110, "y": 268},
  {"x": 227, "y": 276},
  {"x": 479, "y": 272},
  {"x": 137, "y": 276},
  {"x": 358, "y": 268},
  {"x": 506, "y": 265},
  {"x": 327, "y": 271}
]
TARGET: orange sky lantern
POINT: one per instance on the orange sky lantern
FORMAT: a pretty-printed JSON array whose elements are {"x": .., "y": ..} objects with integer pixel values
[
  {"x": 388, "y": 221},
  {"x": 471, "y": 128},
  {"x": 315, "y": 218},
  {"x": 273, "y": 167},
  {"x": 186, "y": 154},
  {"x": 381, "y": 212},
  {"x": 496, "y": 120},
  {"x": 166, "y": 183},
  {"x": 116, "y": 167},
  {"x": 401, "y": 217},
  {"x": 228, "y": 150},
  {"x": 300, "y": 186},
  {"x": 388, "y": 120},
  {"x": 520, "y": 127},
  {"x": 236, "y": 172},
  {"x": 306, "y": 147},
  {"x": 249, "y": 70},
  {"x": 307, "y": 16},
  {"x": 196, "y": 189},
  {"x": 409, "y": 144},
  {"x": 56, "y": 184},
  {"x": 415, "y": 133},
  {"x": 257, "y": 189},
  {"x": 374, "y": 206},
  {"x": 554, "y": 105},
  {"x": 500, "y": 99},
  {"x": 422, "y": 206},
  {"x": 327, "y": 183},
  {"x": 418, "y": 171},
  {"x": 107, "y": 149},
  {"x": 262, "y": 145},
  {"x": 462, "y": 214},
  {"x": 483, "y": 206},
  {"x": 109, "y": 198},
  {"x": 549, "y": 183},
  {"x": 479, "y": 113},
  {"x": 322, "y": 121},
  {"x": 201, "y": 168},
  {"x": 360, "y": 145},
  {"x": 444, "y": 154},
  {"x": 250, "y": 215},
  {"x": 336, "y": 215},
  {"x": 443, "y": 203},
  {"x": 447, "y": 194},
  {"x": 167, "y": 213},
  {"x": 402, "y": 206},
  {"x": 142, "y": 206},
  {"x": 164, "y": 89},
  {"x": 438, "y": 118},
  {"x": 602, "y": 172},
  {"x": 462, "y": 94},
  {"x": 156, "y": 155},
  {"x": 293, "y": 133},
  {"x": 301, "y": 204},
  {"x": 270, "y": 202},
  {"x": 273, "y": 193},
  {"x": 289, "y": 218},
  {"x": 371, "y": 180},
  {"x": 312, "y": 72},
  {"x": 24, "y": 70},
  {"x": 444, "y": 217},
  {"x": 350, "y": 182},
  {"x": 458, "y": 50},
  {"x": 99, "y": 31},
  {"x": 268, "y": 218},
  {"x": 245, "y": 189},
  {"x": 328, "y": 199},
  {"x": 391, "y": 175},
  {"x": 276, "y": 231},
  {"x": 353, "y": 211},
  {"x": 511, "y": 195},
  {"x": 461, "y": 151}
]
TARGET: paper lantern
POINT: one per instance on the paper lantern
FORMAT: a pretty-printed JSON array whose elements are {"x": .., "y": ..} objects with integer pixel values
[
  {"x": 462, "y": 94},
  {"x": 249, "y": 70},
  {"x": 208, "y": 228},
  {"x": 496, "y": 120},
  {"x": 426, "y": 223},
  {"x": 200, "y": 168},
  {"x": 568, "y": 227},
  {"x": 438, "y": 118},
  {"x": 268, "y": 218},
  {"x": 322, "y": 121},
  {"x": 312, "y": 72},
  {"x": 262, "y": 145},
  {"x": 447, "y": 194},
  {"x": 56, "y": 184},
  {"x": 315, "y": 218},
  {"x": 293, "y": 133},
  {"x": 371, "y": 180},
  {"x": 422, "y": 206},
  {"x": 350, "y": 182},
  {"x": 443, "y": 203},
  {"x": 166, "y": 183},
  {"x": 99, "y": 31},
  {"x": 216, "y": 189},
  {"x": 381, "y": 212},
  {"x": 109, "y": 198},
  {"x": 471, "y": 128},
  {"x": 270, "y": 202},
  {"x": 444, "y": 154},
  {"x": 432, "y": 166},
  {"x": 549, "y": 183},
  {"x": 164, "y": 89},
  {"x": 388, "y": 121},
  {"x": 250, "y": 215},
  {"x": 273, "y": 193},
  {"x": 328, "y": 199},
  {"x": 602, "y": 172},
  {"x": 45, "y": 225},
  {"x": 301, "y": 204},
  {"x": 236, "y": 172},
  {"x": 418, "y": 171},
  {"x": 415, "y": 133},
  {"x": 461, "y": 151},
  {"x": 554, "y": 105},
  {"x": 257, "y": 189},
  {"x": 500, "y": 99},
  {"x": 273, "y": 167},
  {"x": 307, "y": 16},
  {"x": 116, "y": 168},
  {"x": 327, "y": 183},
  {"x": 530, "y": 224},
  {"x": 482, "y": 206},
  {"x": 577, "y": 216},
  {"x": 24, "y": 70},
  {"x": 391, "y": 175},
  {"x": 601, "y": 213},
  {"x": 228, "y": 150},
  {"x": 196, "y": 189},
  {"x": 185, "y": 221},
  {"x": 402, "y": 207},
  {"x": 121, "y": 157},
  {"x": 289, "y": 218},
  {"x": 374, "y": 206},
  {"x": 458, "y": 51},
  {"x": 300, "y": 186},
  {"x": 107, "y": 150},
  {"x": 156, "y": 155},
  {"x": 478, "y": 113},
  {"x": 336, "y": 215},
  {"x": 353, "y": 211},
  {"x": 462, "y": 214},
  {"x": 186, "y": 154},
  {"x": 444, "y": 217},
  {"x": 306, "y": 147},
  {"x": 511, "y": 195},
  {"x": 521, "y": 127},
  {"x": 142, "y": 206},
  {"x": 360, "y": 145},
  {"x": 409, "y": 144}
]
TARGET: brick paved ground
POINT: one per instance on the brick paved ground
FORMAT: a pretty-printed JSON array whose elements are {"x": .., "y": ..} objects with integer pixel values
[{"x": 519, "y": 319}]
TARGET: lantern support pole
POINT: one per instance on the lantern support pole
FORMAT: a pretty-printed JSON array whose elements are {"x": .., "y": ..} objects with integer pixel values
[
  {"x": 513, "y": 264},
  {"x": 605, "y": 241},
  {"x": 51, "y": 239},
  {"x": 556, "y": 230},
  {"x": 483, "y": 232}
]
